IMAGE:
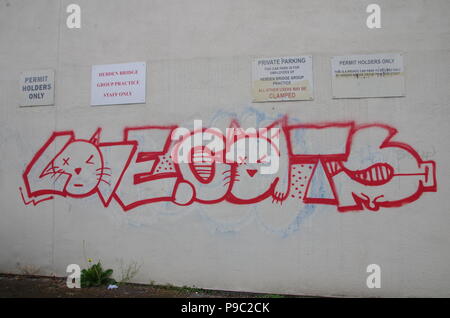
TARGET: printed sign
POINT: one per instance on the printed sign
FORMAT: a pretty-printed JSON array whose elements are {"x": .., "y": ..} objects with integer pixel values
[
  {"x": 114, "y": 84},
  {"x": 282, "y": 79},
  {"x": 374, "y": 75},
  {"x": 37, "y": 88}
]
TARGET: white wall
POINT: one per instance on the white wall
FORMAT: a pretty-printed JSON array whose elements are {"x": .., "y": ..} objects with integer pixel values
[{"x": 198, "y": 56}]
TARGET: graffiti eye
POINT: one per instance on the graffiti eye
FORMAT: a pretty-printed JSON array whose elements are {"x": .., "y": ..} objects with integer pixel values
[
  {"x": 88, "y": 161},
  {"x": 261, "y": 160},
  {"x": 242, "y": 160},
  {"x": 66, "y": 161}
]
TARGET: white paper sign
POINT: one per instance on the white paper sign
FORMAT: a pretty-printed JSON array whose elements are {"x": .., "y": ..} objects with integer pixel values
[
  {"x": 37, "y": 88},
  {"x": 282, "y": 79},
  {"x": 113, "y": 84},
  {"x": 374, "y": 75}
]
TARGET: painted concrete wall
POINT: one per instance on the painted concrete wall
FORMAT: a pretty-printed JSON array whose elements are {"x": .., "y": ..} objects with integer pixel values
[{"x": 198, "y": 56}]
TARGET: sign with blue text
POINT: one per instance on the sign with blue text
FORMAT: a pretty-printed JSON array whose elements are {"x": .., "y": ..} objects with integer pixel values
[
  {"x": 37, "y": 88},
  {"x": 372, "y": 75}
]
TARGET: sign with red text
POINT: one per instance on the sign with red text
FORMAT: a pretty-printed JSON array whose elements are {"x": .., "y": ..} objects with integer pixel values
[
  {"x": 113, "y": 84},
  {"x": 372, "y": 75},
  {"x": 282, "y": 79}
]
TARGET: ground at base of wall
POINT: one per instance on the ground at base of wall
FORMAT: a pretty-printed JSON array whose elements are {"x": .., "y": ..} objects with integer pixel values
[{"x": 12, "y": 286}]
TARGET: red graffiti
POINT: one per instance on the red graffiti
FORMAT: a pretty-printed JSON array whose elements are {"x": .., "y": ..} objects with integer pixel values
[{"x": 354, "y": 167}]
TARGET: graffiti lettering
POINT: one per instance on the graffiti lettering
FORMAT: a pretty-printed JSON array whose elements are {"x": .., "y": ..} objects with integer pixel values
[{"x": 353, "y": 167}]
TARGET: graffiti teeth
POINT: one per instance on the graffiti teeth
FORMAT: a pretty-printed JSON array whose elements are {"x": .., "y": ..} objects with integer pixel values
[
  {"x": 203, "y": 165},
  {"x": 377, "y": 174}
]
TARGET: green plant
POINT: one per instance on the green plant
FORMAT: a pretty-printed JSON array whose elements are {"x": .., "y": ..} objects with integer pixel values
[
  {"x": 96, "y": 276},
  {"x": 183, "y": 289},
  {"x": 271, "y": 296},
  {"x": 128, "y": 272}
]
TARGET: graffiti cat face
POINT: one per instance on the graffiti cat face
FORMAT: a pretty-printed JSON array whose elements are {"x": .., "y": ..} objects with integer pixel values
[
  {"x": 83, "y": 162},
  {"x": 253, "y": 156}
]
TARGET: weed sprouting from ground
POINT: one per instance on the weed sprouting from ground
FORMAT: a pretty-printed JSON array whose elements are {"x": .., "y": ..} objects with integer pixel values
[{"x": 128, "y": 272}]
